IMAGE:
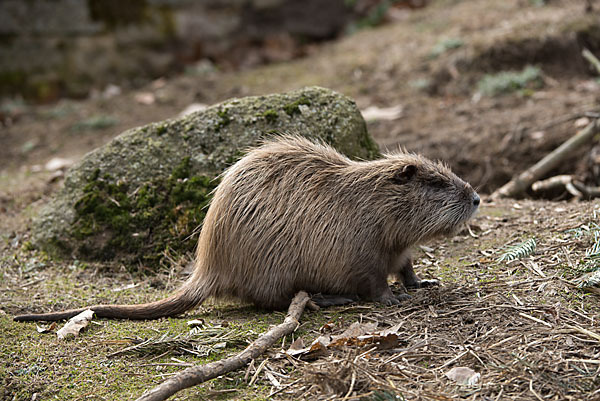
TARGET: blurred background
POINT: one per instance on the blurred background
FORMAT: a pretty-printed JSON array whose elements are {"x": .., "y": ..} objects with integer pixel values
[{"x": 489, "y": 87}]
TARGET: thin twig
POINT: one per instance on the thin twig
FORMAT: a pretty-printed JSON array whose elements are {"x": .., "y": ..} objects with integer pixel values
[
  {"x": 586, "y": 332},
  {"x": 589, "y": 56},
  {"x": 535, "y": 319}
]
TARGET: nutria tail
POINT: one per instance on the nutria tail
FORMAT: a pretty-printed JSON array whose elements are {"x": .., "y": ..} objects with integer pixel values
[{"x": 174, "y": 305}]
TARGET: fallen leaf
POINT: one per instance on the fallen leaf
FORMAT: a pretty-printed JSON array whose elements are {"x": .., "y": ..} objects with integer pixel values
[
  {"x": 297, "y": 344},
  {"x": 374, "y": 113},
  {"x": 58, "y": 163},
  {"x": 357, "y": 335},
  {"x": 75, "y": 324},
  {"x": 46, "y": 329},
  {"x": 329, "y": 326},
  {"x": 314, "y": 351},
  {"x": 537, "y": 135},
  {"x": 146, "y": 98},
  {"x": 587, "y": 86},
  {"x": 358, "y": 329},
  {"x": 463, "y": 376},
  {"x": 192, "y": 108},
  {"x": 111, "y": 91},
  {"x": 159, "y": 83},
  {"x": 581, "y": 122}
]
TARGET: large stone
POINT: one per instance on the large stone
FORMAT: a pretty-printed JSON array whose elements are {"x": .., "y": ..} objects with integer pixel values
[{"x": 146, "y": 191}]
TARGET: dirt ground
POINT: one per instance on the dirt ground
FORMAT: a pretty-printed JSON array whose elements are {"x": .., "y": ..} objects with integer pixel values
[{"x": 525, "y": 326}]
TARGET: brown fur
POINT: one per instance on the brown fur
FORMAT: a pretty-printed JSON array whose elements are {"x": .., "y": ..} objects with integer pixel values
[{"x": 294, "y": 215}]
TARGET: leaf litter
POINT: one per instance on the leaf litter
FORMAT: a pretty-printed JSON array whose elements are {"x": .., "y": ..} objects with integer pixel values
[{"x": 522, "y": 330}]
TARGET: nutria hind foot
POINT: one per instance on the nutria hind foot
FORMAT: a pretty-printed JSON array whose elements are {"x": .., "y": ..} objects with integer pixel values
[
  {"x": 388, "y": 299},
  {"x": 403, "y": 297},
  {"x": 326, "y": 300}
]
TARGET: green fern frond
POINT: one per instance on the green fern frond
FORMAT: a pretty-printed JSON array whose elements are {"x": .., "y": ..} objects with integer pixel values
[
  {"x": 594, "y": 251},
  {"x": 519, "y": 251},
  {"x": 201, "y": 341},
  {"x": 589, "y": 280}
]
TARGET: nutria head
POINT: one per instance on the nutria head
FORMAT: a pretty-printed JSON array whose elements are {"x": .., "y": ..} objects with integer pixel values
[{"x": 422, "y": 198}]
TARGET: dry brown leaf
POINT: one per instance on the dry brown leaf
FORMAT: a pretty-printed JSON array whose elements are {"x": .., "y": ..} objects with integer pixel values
[
  {"x": 46, "y": 329},
  {"x": 357, "y": 335},
  {"x": 314, "y": 351},
  {"x": 327, "y": 327},
  {"x": 463, "y": 376},
  {"x": 297, "y": 345},
  {"x": 75, "y": 324}
]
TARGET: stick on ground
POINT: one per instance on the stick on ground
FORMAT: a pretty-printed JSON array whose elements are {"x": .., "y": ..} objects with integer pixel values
[
  {"x": 199, "y": 374},
  {"x": 589, "y": 56},
  {"x": 518, "y": 185}
]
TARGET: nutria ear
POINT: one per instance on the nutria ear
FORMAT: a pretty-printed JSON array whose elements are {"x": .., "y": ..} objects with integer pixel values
[{"x": 405, "y": 173}]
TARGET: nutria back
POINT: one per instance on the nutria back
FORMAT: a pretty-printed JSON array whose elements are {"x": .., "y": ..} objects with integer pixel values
[{"x": 294, "y": 215}]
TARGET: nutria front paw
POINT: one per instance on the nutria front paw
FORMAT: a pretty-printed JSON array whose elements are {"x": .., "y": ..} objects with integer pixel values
[
  {"x": 424, "y": 284},
  {"x": 429, "y": 283}
]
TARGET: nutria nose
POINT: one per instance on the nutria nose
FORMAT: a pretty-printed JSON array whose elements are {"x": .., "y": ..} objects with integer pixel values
[{"x": 476, "y": 199}]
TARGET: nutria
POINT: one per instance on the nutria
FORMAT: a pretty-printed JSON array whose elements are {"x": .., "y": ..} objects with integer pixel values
[{"x": 296, "y": 215}]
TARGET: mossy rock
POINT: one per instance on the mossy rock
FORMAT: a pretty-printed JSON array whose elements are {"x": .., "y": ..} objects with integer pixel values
[{"x": 144, "y": 194}]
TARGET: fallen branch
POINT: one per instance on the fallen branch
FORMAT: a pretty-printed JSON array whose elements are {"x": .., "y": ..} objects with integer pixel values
[
  {"x": 587, "y": 191},
  {"x": 518, "y": 185},
  {"x": 199, "y": 374},
  {"x": 558, "y": 182},
  {"x": 567, "y": 183},
  {"x": 589, "y": 56}
]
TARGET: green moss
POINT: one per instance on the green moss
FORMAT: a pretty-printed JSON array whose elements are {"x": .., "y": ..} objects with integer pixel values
[
  {"x": 161, "y": 129},
  {"x": 294, "y": 107},
  {"x": 140, "y": 224},
  {"x": 270, "y": 115},
  {"x": 224, "y": 118}
]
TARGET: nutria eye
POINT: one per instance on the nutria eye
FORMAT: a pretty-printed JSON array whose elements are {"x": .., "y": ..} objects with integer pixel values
[
  {"x": 438, "y": 183},
  {"x": 405, "y": 174}
]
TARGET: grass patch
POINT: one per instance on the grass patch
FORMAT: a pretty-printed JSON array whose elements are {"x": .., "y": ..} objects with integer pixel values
[
  {"x": 39, "y": 363},
  {"x": 510, "y": 81},
  {"x": 95, "y": 123},
  {"x": 445, "y": 45}
]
